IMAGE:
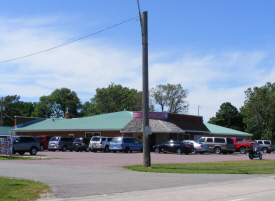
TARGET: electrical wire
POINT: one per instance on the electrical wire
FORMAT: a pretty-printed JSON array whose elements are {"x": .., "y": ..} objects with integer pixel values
[{"x": 134, "y": 18}]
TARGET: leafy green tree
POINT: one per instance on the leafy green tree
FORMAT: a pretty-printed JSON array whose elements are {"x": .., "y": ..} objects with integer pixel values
[
  {"x": 171, "y": 97},
  {"x": 56, "y": 103},
  {"x": 116, "y": 98},
  {"x": 259, "y": 111},
  {"x": 12, "y": 108},
  {"x": 228, "y": 116}
]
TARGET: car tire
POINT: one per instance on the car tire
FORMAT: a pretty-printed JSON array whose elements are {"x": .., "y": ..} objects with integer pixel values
[
  {"x": 264, "y": 150},
  {"x": 242, "y": 150},
  {"x": 106, "y": 149},
  {"x": 33, "y": 151},
  {"x": 64, "y": 148},
  {"x": 195, "y": 151},
  {"x": 126, "y": 150},
  {"x": 157, "y": 150},
  {"x": 21, "y": 152},
  {"x": 179, "y": 151},
  {"x": 41, "y": 147},
  {"x": 251, "y": 157},
  {"x": 217, "y": 150}
]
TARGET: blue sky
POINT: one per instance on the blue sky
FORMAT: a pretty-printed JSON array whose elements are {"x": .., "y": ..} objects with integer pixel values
[{"x": 215, "y": 49}]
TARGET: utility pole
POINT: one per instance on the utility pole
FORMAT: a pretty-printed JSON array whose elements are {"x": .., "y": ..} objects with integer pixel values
[
  {"x": 145, "y": 93},
  {"x": 1, "y": 109}
]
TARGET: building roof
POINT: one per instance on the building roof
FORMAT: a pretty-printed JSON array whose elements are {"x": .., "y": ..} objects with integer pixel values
[
  {"x": 157, "y": 126},
  {"x": 5, "y": 130},
  {"x": 214, "y": 129},
  {"x": 190, "y": 126},
  {"x": 110, "y": 121}
]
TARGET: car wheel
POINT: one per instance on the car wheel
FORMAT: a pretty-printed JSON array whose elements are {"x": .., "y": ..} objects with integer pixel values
[
  {"x": 157, "y": 150},
  {"x": 264, "y": 150},
  {"x": 33, "y": 151},
  {"x": 179, "y": 151},
  {"x": 242, "y": 150},
  {"x": 251, "y": 157},
  {"x": 21, "y": 152},
  {"x": 106, "y": 149},
  {"x": 126, "y": 150},
  {"x": 41, "y": 147},
  {"x": 217, "y": 150},
  {"x": 64, "y": 148},
  {"x": 195, "y": 151},
  {"x": 87, "y": 149}
]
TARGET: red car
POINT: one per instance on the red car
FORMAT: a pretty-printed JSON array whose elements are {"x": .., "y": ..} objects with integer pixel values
[{"x": 43, "y": 141}]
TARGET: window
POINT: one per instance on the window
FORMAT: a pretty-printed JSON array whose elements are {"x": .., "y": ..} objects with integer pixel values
[
  {"x": 103, "y": 139},
  {"x": 260, "y": 142},
  {"x": 209, "y": 140},
  {"x": 266, "y": 142},
  {"x": 136, "y": 141},
  {"x": 40, "y": 138},
  {"x": 109, "y": 139},
  {"x": 91, "y": 134},
  {"x": 238, "y": 140},
  {"x": 219, "y": 140}
]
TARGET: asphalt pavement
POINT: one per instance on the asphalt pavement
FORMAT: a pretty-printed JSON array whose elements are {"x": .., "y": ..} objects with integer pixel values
[{"x": 91, "y": 176}]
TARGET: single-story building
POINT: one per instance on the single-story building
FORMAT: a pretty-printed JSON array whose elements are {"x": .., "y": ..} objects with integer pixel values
[{"x": 164, "y": 126}]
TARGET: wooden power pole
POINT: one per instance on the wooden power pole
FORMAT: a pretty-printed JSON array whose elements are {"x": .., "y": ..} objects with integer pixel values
[{"x": 145, "y": 93}]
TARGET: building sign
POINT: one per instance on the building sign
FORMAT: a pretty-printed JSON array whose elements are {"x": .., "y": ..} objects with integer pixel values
[
  {"x": 5, "y": 146},
  {"x": 152, "y": 115}
]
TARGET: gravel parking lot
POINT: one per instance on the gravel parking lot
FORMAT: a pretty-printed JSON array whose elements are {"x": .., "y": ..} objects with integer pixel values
[
  {"x": 81, "y": 174},
  {"x": 101, "y": 159}
]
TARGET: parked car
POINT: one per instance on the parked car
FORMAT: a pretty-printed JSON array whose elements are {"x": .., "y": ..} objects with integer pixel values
[
  {"x": 99, "y": 143},
  {"x": 125, "y": 144},
  {"x": 219, "y": 144},
  {"x": 241, "y": 145},
  {"x": 22, "y": 144},
  {"x": 61, "y": 143},
  {"x": 82, "y": 144},
  {"x": 199, "y": 147},
  {"x": 178, "y": 147},
  {"x": 266, "y": 146},
  {"x": 44, "y": 141}
]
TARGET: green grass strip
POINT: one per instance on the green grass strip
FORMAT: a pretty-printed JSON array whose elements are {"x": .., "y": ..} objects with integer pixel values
[
  {"x": 21, "y": 189},
  {"x": 226, "y": 167}
]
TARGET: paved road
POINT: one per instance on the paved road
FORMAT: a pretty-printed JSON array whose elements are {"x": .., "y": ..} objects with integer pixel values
[{"x": 100, "y": 175}]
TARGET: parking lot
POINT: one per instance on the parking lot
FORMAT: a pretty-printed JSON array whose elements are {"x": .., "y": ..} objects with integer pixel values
[
  {"x": 100, "y": 176},
  {"x": 101, "y": 159}
]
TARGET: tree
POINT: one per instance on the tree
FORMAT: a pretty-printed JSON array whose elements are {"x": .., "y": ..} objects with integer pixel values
[
  {"x": 259, "y": 111},
  {"x": 228, "y": 116},
  {"x": 56, "y": 103},
  {"x": 170, "y": 96},
  {"x": 116, "y": 98}
]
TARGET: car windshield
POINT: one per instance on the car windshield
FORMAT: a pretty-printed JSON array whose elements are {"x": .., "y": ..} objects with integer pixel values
[
  {"x": 116, "y": 139},
  {"x": 96, "y": 139},
  {"x": 77, "y": 140},
  {"x": 54, "y": 139}
]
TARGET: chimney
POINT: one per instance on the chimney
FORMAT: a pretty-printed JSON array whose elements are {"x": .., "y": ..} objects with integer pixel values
[{"x": 67, "y": 115}]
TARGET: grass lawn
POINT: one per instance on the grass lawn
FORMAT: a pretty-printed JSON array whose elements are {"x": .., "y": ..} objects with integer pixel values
[
  {"x": 21, "y": 189},
  {"x": 226, "y": 167}
]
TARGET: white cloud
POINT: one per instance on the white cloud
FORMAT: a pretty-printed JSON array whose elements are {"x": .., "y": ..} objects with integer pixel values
[{"x": 211, "y": 78}]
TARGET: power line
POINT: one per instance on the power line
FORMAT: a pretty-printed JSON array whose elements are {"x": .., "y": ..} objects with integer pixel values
[{"x": 134, "y": 18}]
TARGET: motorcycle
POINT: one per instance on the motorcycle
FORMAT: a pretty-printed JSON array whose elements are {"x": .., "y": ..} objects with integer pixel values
[{"x": 254, "y": 153}]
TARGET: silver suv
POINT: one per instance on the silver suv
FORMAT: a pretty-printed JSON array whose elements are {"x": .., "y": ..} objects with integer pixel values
[
  {"x": 266, "y": 146},
  {"x": 99, "y": 143},
  {"x": 219, "y": 144},
  {"x": 22, "y": 144},
  {"x": 61, "y": 143}
]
